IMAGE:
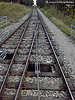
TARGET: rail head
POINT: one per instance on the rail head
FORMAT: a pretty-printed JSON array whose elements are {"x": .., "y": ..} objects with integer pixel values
[
  {"x": 6, "y": 38},
  {"x": 58, "y": 63},
  {"x": 7, "y": 73},
  {"x": 26, "y": 65}
]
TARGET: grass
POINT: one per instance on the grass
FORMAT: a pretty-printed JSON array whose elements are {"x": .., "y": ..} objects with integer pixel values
[
  {"x": 61, "y": 25},
  {"x": 13, "y": 11},
  {"x": 57, "y": 17}
]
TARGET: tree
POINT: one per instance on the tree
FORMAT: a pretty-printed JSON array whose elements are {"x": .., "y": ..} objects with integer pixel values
[
  {"x": 48, "y": 3},
  {"x": 41, "y": 3},
  {"x": 73, "y": 10},
  {"x": 27, "y": 2}
]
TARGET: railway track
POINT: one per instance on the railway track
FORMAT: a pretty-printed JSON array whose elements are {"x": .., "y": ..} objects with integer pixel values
[{"x": 29, "y": 67}]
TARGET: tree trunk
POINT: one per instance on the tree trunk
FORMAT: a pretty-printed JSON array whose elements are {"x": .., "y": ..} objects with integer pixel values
[{"x": 48, "y": 3}]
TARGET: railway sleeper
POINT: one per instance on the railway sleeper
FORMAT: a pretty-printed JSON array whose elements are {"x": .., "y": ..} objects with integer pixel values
[
  {"x": 27, "y": 84},
  {"x": 33, "y": 98}
]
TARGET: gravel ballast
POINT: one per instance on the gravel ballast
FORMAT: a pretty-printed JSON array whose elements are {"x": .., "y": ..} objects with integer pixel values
[
  {"x": 10, "y": 29},
  {"x": 66, "y": 44}
]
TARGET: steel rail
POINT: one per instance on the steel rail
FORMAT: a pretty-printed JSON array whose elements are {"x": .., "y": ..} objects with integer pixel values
[
  {"x": 7, "y": 73},
  {"x": 38, "y": 82},
  {"x": 26, "y": 65},
  {"x": 5, "y": 39},
  {"x": 37, "y": 66},
  {"x": 60, "y": 68}
]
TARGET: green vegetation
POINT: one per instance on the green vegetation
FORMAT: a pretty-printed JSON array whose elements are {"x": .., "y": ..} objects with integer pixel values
[
  {"x": 56, "y": 16},
  {"x": 41, "y": 3},
  {"x": 26, "y": 2},
  {"x": 13, "y": 11}
]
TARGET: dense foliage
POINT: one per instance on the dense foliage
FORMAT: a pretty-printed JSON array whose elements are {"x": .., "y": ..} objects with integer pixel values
[
  {"x": 26, "y": 2},
  {"x": 63, "y": 7},
  {"x": 67, "y": 10},
  {"x": 41, "y": 3}
]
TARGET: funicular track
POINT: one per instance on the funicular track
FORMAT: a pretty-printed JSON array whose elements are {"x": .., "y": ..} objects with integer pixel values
[{"x": 29, "y": 65}]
